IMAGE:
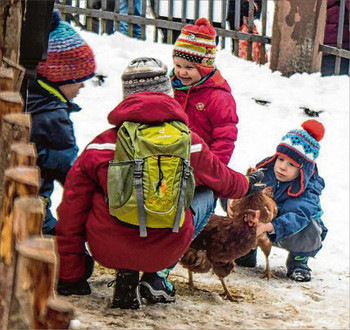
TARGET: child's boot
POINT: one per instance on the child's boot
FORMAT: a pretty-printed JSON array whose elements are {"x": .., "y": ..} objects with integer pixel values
[
  {"x": 126, "y": 293},
  {"x": 297, "y": 268},
  {"x": 155, "y": 288}
]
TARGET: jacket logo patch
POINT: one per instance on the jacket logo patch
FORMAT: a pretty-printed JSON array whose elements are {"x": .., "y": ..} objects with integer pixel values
[{"x": 200, "y": 106}]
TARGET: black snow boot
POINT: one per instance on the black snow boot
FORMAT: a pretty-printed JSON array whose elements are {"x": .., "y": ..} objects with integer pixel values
[{"x": 126, "y": 293}]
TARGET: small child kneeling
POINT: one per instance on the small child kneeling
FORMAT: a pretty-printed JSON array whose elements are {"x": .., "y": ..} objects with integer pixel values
[{"x": 293, "y": 174}]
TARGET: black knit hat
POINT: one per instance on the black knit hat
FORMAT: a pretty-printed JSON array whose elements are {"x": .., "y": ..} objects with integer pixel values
[{"x": 145, "y": 74}]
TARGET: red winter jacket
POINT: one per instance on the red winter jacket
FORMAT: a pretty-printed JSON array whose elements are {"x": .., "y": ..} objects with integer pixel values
[
  {"x": 83, "y": 213},
  {"x": 331, "y": 31},
  {"x": 211, "y": 111}
]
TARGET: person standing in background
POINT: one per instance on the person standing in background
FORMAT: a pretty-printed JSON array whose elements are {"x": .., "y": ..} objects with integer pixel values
[{"x": 330, "y": 37}]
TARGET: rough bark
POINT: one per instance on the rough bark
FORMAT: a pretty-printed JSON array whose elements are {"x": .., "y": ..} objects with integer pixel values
[
  {"x": 19, "y": 181},
  {"x": 28, "y": 215},
  {"x": 10, "y": 29},
  {"x": 35, "y": 282},
  {"x": 22, "y": 154},
  {"x": 15, "y": 129},
  {"x": 7, "y": 79}
]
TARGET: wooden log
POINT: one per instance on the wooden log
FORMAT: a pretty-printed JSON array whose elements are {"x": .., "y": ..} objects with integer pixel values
[
  {"x": 15, "y": 129},
  {"x": 28, "y": 215},
  {"x": 36, "y": 276},
  {"x": 19, "y": 181},
  {"x": 298, "y": 30},
  {"x": 7, "y": 79},
  {"x": 59, "y": 314},
  {"x": 10, "y": 102},
  {"x": 22, "y": 154}
]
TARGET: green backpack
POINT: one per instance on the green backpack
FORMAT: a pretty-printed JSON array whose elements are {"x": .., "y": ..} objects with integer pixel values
[{"x": 150, "y": 180}]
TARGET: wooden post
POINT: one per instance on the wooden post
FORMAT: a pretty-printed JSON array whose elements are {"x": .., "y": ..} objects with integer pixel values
[
  {"x": 298, "y": 30},
  {"x": 15, "y": 129},
  {"x": 28, "y": 215},
  {"x": 34, "y": 284},
  {"x": 19, "y": 181},
  {"x": 10, "y": 29},
  {"x": 7, "y": 79},
  {"x": 10, "y": 102}
]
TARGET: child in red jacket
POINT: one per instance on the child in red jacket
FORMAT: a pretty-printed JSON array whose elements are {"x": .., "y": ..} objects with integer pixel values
[{"x": 201, "y": 90}]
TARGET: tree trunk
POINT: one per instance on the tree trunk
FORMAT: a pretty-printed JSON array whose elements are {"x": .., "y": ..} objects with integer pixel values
[
  {"x": 298, "y": 30},
  {"x": 15, "y": 129}
]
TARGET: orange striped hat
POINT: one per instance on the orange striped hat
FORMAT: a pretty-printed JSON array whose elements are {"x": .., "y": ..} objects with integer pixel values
[{"x": 196, "y": 43}]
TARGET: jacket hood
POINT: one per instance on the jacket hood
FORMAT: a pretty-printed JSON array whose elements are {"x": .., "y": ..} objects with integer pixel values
[
  {"x": 47, "y": 97},
  {"x": 298, "y": 185},
  {"x": 147, "y": 107}
]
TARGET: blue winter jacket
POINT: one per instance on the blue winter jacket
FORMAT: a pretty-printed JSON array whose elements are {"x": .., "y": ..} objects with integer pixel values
[
  {"x": 53, "y": 135},
  {"x": 52, "y": 130},
  {"x": 298, "y": 226}
]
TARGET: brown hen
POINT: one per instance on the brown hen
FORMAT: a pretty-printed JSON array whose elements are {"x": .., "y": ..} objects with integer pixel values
[{"x": 225, "y": 239}]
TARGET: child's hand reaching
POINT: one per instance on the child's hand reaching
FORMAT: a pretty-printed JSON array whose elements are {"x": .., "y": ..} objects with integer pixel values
[{"x": 264, "y": 227}]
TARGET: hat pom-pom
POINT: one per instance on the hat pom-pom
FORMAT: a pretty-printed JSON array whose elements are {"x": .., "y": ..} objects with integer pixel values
[
  {"x": 204, "y": 27},
  {"x": 314, "y": 128},
  {"x": 55, "y": 19},
  {"x": 202, "y": 22}
]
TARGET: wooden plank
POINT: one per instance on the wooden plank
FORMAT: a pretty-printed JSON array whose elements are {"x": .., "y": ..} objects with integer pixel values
[
  {"x": 170, "y": 18},
  {"x": 263, "y": 30},
  {"x": 158, "y": 23},
  {"x": 340, "y": 35},
  {"x": 250, "y": 30},
  {"x": 237, "y": 26},
  {"x": 143, "y": 14},
  {"x": 130, "y": 13},
  {"x": 223, "y": 22}
]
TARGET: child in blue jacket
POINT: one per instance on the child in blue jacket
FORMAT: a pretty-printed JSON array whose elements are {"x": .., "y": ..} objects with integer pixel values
[
  {"x": 70, "y": 62},
  {"x": 293, "y": 175}
]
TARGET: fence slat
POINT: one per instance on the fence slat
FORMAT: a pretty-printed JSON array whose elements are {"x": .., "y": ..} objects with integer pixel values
[
  {"x": 340, "y": 35},
  {"x": 223, "y": 21},
  {"x": 263, "y": 30}
]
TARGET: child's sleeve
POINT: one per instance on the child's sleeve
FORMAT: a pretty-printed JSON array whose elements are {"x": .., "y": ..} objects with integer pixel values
[{"x": 224, "y": 121}]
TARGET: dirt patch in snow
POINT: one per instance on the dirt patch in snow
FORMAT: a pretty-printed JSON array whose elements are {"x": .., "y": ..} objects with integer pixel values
[{"x": 278, "y": 303}]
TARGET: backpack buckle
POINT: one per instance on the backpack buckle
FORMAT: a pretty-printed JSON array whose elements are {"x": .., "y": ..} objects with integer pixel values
[{"x": 138, "y": 168}]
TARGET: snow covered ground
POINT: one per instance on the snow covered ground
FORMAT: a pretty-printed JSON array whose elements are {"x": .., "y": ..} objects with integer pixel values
[{"x": 278, "y": 303}]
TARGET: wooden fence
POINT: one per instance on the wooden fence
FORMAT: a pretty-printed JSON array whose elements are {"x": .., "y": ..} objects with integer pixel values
[
  {"x": 338, "y": 51},
  {"x": 171, "y": 16}
]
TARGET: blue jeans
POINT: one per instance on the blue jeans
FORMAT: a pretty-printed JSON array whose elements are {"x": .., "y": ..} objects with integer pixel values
[
  {"x": 202, "y": 207},
  {"x": 136, "y": 33}
]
